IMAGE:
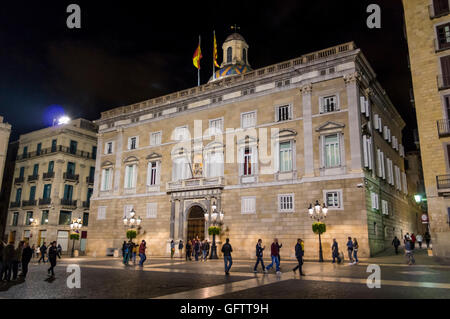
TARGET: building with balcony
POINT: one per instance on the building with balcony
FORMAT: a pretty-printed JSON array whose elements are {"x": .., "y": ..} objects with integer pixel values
[
  {"x": 260, "y": 145},
  {"x": 52, "y": 169},
  {"x": 427, "y": 25}
]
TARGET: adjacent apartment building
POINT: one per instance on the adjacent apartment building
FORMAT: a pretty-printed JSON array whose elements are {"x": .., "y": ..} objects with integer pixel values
[
  {"x": 5, "y": 131},
  {"x": 260, "y": 145},
  {"x": 428, "y": 33},
  {"x": 52, "y": 185}
]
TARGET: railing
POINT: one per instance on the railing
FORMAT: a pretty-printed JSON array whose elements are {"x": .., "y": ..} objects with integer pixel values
[
  {"x": 443, "y": 127},
  {"x": 32, "y": 178},
  {"x": 71, "y": 177},
  {"x": 443, "y": 82},
  {"x": 58, "y": 148},
  {"x": 44, "y": 201},
  {"x": 68, "y": 202},
  {"x": 194, "y": 183},
  {"x": 48, "y": 175},
  {"x": 18, "y": 180},
  {"x": 440, "y": 8},
  {"x": 14, "y": 204},
  {"x": 86, "y": 204},
  {"x": 90, "y": 179},
  {"x": 290, "y": 64},
  {"x": 443, "y": 181},
  {"x": 27, "y": 203}
]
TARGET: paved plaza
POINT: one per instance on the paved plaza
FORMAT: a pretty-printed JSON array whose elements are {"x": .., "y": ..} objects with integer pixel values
[{"x": 163, "y": 278}]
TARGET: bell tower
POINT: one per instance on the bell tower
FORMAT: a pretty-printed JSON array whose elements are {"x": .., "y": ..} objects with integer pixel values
[{"x": 235, "y": 50}]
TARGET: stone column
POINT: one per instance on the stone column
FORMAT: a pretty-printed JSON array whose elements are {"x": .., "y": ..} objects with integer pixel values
[
  {"x": 117, "y": 169},
  {"x": 208, "y": 222},
  {"x": 181, "y": 220},
  {"x": 98, "y": 169},
  {"x": 307, "y": 130},
  {"x": 172, "y": 219},
  {"x": 354, "y": 121}
]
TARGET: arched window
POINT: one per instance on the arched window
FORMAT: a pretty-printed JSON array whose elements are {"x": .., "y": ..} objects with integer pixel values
[
  {"x": 229, "y": 54},
  {"x": 244, "y": 55}
]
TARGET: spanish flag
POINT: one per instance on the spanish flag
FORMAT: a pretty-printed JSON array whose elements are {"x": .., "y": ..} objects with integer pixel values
[
  {"x": 215, "y": 51},
  {"x": 197, "y": 57}
]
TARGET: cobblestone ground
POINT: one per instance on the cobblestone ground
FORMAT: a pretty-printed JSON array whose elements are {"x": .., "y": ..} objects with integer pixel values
[{"x": 167, "y": 279}]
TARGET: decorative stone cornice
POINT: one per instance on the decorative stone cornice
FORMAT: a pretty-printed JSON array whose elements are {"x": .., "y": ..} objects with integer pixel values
[
  {"x": 306, "y": 89},
  {"x": 352, "y": 78}
]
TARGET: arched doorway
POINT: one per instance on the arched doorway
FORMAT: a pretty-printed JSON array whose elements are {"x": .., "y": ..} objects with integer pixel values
[{"x": 196, "y": 223}]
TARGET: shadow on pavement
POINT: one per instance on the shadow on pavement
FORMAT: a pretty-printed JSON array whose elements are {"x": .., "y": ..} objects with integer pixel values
[{"x": 5, "y": 285}]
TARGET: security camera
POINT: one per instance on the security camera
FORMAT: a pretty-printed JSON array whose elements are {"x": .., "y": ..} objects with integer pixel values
[{"x": 360, "y": 185}]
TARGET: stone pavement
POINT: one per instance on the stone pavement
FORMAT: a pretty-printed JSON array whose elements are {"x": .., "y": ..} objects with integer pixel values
[{"x": 164, "y": 278}]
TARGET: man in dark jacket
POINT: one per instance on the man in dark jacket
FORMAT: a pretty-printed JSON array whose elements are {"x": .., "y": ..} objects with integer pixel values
[
  {"x": 299, "y": 252},
  {"x": 226, "y": 250},
  {"x": 335, "y": 252},
  {"x": 350, "y": 250},
  {"x": 9, "y": 257},
  {"x": 259, "y": 256},
  {"x": 43, "y": 250},
  {"x": 396, "y": 243},
  {"x": 188, "y": 250},
  {"x": 274, "y": 252},
  {"x": 27, "y": 253},
  {"x": 52, "y": 254}
]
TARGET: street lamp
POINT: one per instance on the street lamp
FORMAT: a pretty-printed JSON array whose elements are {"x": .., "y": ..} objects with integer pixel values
[
  {"x": 216, "y": 220},
  {"x": 132, "y": 221},
  {"x": 75, "y": 226},
  {"x": 318, "y": 213}
]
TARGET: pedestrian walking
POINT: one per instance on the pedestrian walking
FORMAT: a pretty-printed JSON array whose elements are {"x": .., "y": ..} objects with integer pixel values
[
  {"x": 188, "y": 250},
  {"x": 197, "y": 249},
  {"x": 38, "y": 251},
  {"x": 259, "y": 256},
  {"x": 355, "y": 250},
  {"x": 142, "y": 255},
  {"x": 18, "y": 261},
  {"x": 134, "y": 250},
  {"x": 427, "y": 238},
  {"x": 180, "y": 248},
  {"x": 419, "y": 240},
  {"x": 335, "y": 251},
  {"x": 33, "y": 249},
  {"x": 172, "y": 248},
  {"x": 43, "y": 250},
  {"x": 126, "y": 253},
  {"x": 27, "y": 254},
  {"x": 52, "y": 255},
  {"x": 409, "y": 251},
  {"x": 279, "y": 257},
  {"x": 193, "y": 245},
  {"x": 9, "y": 256},
  {"x": 205, "y": 250},
  {"x": 274, "y": 251},
  {"x": 350, "y": 250},
  {"x": 59, "y": 249},
  {"x": 124, "y": 246},
  {"x": 228, "y": 261},
  {"x": 413, "y": 240},
  {"x": 396, "y": 243},
  {"x": 299, "y": 252}
]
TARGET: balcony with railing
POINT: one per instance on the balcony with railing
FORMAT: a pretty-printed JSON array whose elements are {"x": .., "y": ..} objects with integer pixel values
[
  {"x": 29, "y": 203},
  {"x": 33, "y": 178},
  {"x": 71, "y": 177},
  {"x": 14, "y": 205},
  {"x": 19, "y": 180},
  {"x": 48, "y": 175},
  {"x": 90, "y": 179},
  {"x": 56, "y": 149},
  {"x": 68, "y": 203},
  {"x": 196, "y": 183},
  {"x": 443, "y": 127},
  {"x": 443, "y": 184},
  {"x": 443, "y": 82},
  {"x": 44, "y": 201},
  {"x": 439, "y": 8}
]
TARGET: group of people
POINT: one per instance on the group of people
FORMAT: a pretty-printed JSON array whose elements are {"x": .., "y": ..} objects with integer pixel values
[
  {"x": 194, "y": 248},
  {"x": 14, "y": 258},
  {"x": 130, "y": 250},
  {"x": 409, "y": 242}
]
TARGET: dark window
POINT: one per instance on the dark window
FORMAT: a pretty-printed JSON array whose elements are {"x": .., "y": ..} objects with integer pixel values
[
  {"x": 15, "y": 219},
  {"x": 445, "y": 69},
  {"x": 51, "y": 166},
  {"x": 89, "y": 194},
  {"x": 73, "y": 147},
  {"x": 38, "y": 149},
  {"x": 53, "y": 145},
  {"x": 68, "y": 192},
  {"x": 85, "y": 219},
  {"x": 443, "y": 35},
  {"x": 44, "y": 219},
  {"x": 27, "y": 219},
  {"x": 283, "y": 113},
  {"x": 71, "y": 168},
  {"x": 91, "y": 172},
  {"x": 447, "y": 106},
  {"x": 247, "y": 162},
  {"x": 47, "y": 191},
  {"x": 32, "y": 192},
  {"x": 25, "y": 152},
  {"x": 22, "y": 171},
  {"x": 65, "y": 217},
  {"x": 35, "y": 169},
  {"x": 448, "y": 154},
  {"x": 229, "y": 54},
  {"x": 18, "y": 195},
  {"x": 440, "y": 7},
  {"x": 94, "y": 152},
  {"x": 406, "y": 165}
]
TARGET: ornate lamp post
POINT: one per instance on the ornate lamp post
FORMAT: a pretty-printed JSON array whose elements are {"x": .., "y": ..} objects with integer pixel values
[
  {"x": 131, "y": 222},
  {"x": 216, "y": 221},
  {"x": 318, "y": 213},
  {"x": 75, "y": 226}
]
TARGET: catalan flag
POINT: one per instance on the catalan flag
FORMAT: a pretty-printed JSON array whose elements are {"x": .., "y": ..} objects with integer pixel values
[
  {"x": 215, "y": 51},
  {"x": 197, "y": 57}
]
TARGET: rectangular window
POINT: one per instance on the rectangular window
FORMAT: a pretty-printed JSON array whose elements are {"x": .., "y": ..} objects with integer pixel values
[
  {"x": 106, "y": 179},
  {"x": 443, "y": 35},
  {"x": 440, "y": 7},
  {"x": 25, "y": 151},
  {"x": 89, "y": 193},
  {"x": 133, "y": 143},
  {"x": 85, "y": 219},
  {"x": 101, "y": 212},
  {"x": 283, "y": 113},
  {"x": 36, "y": 169},
  {"x": 374, "y": 199},
  {"x": 44, "y": 218},
  {"x": 91, "y": 172},
  {"x": 155, "y": 138},
  {"x": 216, "y": 126},
  {"x": 181, "y": 133},
  {"x": 152, "y": 173},
  {"x": 39, "y": 149},
  {"x": 285, "y": 156},
  {"x": 18, "y": 195},
  {"x": 73, "y": 147},
  {"x": 47, "y": 191},
  {"x": 247, "y": 161},
  {"x": 68, "y": 192},
  {"x": 28, "y": 216},
  {"x": 286, "y": 203},
  {"x": 405, "y": 183},
  {"x": 248, "y": 205},
  {"x": 109, "y": 148},
  {"x": 51, "y": 167},
  {"x": 332, "y": 151},
  {"x": 32, "y": 193},
  {"x": 53, "y": 146},
  {"x": 248, "y": 119},
  {"x": 152, "y": 210},
  {"x": 94, "y": 152},
  {"x": 384, "y": 207},
  {"x": 329, "y": 104},
  {"x": 15, "y": 219},
  {"x": 22, "y": 171},
  {"x": 333, "y": 199},
  {"x": 71, "y": 168},
  {"x": 65, "y": 217},
  {"x": 130, "y": 176}
]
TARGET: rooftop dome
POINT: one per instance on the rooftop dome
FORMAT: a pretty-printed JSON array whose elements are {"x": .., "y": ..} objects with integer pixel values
[{"x": 234, "y": 36}]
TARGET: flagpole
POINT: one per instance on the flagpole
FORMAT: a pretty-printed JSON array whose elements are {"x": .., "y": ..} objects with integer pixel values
[
  {"x": 199, "y": 42},
  {"x": 214, "y": 55}
]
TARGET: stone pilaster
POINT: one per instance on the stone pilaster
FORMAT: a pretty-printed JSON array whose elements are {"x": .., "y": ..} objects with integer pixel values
[{"x": 307, "y": 130}]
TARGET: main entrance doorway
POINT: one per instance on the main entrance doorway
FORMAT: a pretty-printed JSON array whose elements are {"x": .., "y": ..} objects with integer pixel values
[{"x": 196, "y": 223}]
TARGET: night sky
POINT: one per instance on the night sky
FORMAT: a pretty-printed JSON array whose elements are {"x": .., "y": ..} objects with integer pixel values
[{"x": 129, "y": 51}]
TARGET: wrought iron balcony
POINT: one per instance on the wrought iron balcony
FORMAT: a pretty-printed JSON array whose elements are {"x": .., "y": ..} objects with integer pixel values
[
  {"x": 56, "y": 149},
  {"x": 68, "y": 202},
  {"x": 18, "y": 180},
  {"x": 443, "y": 182},
  {"x": 443, "y": 127},
  {"x": 86, "y": 204},
  {"x": 443, "y": 82},
  {"x": 32, "y": 178},
  {"x": 44, "y": 201},
  {"x": 196, "y": 183},
  {"x": 14, "y": 204},
  {"x": 90, "y": 179},
  {"x": 48, "y": 175},
  {"x": 71, "y": 177},
  {"x": 29, "y": 203}
]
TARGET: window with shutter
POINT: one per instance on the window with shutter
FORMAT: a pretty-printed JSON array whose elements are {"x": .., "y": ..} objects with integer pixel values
[
  {"x": 440, "y": 7},
  {"x": 445, "y": 70},
  {"x": 155, "y": 138},
  {"x": 101, "y": 212},
  {"x": 248, "y": 205},
  {"x": 248, "y": 119},
  {"x": 286, "y": 203},
  {"x": 152, "y": 210},
  {"x": 443, "y": 35}
]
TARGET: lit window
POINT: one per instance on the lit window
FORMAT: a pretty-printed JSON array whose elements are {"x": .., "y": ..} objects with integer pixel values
[{"x": 332, "y": 152}]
